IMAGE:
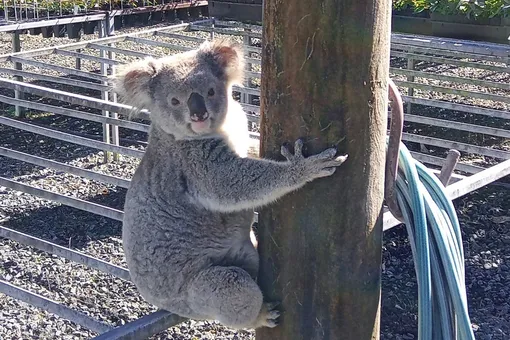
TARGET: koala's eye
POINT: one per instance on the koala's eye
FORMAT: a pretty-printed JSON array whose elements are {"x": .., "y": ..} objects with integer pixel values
[
  {"x": 211, "y": 92},
  {"x": 175, "y": 101}
]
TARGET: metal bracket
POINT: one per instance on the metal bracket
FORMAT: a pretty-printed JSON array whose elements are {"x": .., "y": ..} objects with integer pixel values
[
  {"x": 395, "y": 137},
  {"x": 396, "y": 127}
]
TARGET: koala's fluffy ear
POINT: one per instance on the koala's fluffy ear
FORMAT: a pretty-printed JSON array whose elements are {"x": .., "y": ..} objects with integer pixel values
[
  {"x": 226, "y": 59},
  {"x": 132, "y": 81}
]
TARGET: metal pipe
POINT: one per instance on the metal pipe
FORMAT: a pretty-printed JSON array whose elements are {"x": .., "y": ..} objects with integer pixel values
[
  {"x": 144, "y": 327},
  {"x": 58, "y": 80},
  {"x": 47, "y": 163},
  {"x": 73, "y": 98},
  {"x": 87, "y": 57},
  {"x": 58, "y": 68},
  {"x": 66, "y": 200},
  {"x": 53, "y": 307},
  {"x": 75, "y": 113},
  {"x": 70, "y": 138},
  {"x": 119, "y": 50},
  {"x": 66, "y": 253}
]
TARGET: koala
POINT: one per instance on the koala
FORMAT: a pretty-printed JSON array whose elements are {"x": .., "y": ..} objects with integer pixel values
[{"x": 190, "y": 204}]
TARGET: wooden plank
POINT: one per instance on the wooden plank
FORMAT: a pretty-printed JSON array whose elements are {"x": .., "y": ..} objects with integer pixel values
[
  {"x": 479, "y": 180},
  {"x": 235, "y": 10}
]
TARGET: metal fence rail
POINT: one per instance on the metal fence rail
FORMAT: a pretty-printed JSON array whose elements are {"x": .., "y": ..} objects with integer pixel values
[
  {"x": 32, "y": 14},
  {"x": 66, "y": 253},
  {"x": 48, "y": 163},
  {"x": 53, "y": 307},
  {"x": 109, "y": 51}
]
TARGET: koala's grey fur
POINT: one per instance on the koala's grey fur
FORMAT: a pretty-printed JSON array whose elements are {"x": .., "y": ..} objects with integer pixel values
[{"x": 188, "y": 211}]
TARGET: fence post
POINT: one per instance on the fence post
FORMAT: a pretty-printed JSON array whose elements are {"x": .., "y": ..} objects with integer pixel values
[
  {"x": 211, "y": 35},
  {"x": 16, "y": 47},
  {"x": 106, "y": 29},
  {"x": 113, "y": 96},
  {"x": 410, "y": 91},
  {"x": 325, "y": 72},
  {"x": 103, "y": 32},
  {"x": 78, "y": 59},
  {"x": 247, "y": 42}
]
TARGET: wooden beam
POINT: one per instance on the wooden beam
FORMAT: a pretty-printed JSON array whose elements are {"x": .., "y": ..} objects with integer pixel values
[{"x": 324, "y": 77}]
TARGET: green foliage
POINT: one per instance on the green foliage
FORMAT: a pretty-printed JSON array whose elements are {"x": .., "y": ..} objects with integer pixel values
[
  {"x": 67, "y": 7},
  {"x": 497, "y": 8},
  {"x": 470, "y": 8}
]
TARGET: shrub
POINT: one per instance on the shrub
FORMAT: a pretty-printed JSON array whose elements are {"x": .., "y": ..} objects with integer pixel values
[{"x": 470, "y": 8}]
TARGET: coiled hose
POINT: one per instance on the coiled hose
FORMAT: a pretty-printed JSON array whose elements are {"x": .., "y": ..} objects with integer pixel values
[{"x": 436, "y": 242}]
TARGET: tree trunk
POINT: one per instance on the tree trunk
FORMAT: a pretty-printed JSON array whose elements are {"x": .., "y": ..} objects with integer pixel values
[{"x": 324, "y": 78}]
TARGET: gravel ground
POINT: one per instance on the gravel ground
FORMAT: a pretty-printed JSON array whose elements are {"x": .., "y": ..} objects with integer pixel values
[{"x": 484, "y": 215}]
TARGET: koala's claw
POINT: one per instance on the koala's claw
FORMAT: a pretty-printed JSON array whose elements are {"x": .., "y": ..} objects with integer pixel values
[
  {"x": 298, "y": 147},
  {"x": 341, "y": 159},
  {"x": 298, "y": 151},
  {"x": 323, "y": 164},
  {"x": 286, "y": 153},
  {"x": 269, "y": 315},
  {"x": 326, "y": 154}
]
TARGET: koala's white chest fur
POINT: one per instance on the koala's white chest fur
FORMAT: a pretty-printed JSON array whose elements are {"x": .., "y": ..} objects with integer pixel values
[{"x": 235, "y": 129}]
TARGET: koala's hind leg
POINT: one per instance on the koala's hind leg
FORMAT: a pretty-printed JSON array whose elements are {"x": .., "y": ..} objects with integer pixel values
[{"x": 230, "y": 296}]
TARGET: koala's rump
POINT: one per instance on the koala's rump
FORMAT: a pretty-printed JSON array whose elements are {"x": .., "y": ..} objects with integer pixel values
[{"x": 167, "y": 246}]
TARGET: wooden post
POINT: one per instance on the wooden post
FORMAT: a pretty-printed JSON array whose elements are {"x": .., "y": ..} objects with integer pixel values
[{"x": 325, "y": 78}]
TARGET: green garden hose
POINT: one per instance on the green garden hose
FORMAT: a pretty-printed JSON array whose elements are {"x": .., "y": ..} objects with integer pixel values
[{"x": 436, "y": 242}]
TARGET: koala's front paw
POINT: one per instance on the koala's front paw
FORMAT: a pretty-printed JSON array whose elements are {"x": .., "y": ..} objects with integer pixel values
[{"x": 323, "y": 164}]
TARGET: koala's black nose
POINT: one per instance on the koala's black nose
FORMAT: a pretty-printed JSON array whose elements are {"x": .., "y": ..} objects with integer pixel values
[{"x": 196, "y": 105}]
